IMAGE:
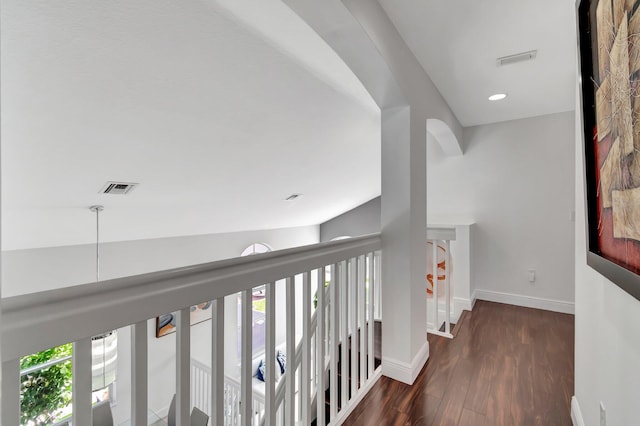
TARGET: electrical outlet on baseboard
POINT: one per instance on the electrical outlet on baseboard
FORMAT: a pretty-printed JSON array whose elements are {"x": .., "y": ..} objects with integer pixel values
[{"x": 603, "y": 415}]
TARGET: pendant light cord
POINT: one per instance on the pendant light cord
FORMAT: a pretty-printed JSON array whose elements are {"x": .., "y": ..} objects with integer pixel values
[
  {"x": 97, "y": 244},
  {"x": 97, "y": 210}
]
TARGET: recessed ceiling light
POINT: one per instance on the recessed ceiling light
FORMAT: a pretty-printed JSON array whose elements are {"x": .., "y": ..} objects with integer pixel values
[{"x": 497, "y": 96}]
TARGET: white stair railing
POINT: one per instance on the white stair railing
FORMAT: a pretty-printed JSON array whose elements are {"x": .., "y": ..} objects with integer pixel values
[
  {"x": 440, "y": 239},
  {"x": 38, "y": 321},
  {"x": 201, "y": 394}
]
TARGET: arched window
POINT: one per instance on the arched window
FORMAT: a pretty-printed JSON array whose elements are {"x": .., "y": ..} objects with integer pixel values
[{"x": 255, "y": 248}]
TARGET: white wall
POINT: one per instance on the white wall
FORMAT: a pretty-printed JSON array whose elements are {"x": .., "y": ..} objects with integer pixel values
[
  {"x": 607, "y": 335},
  {"x": 515, "y": 182},
  {"x": 27, "y": 271},
  {"x": 362, "y": 220}
]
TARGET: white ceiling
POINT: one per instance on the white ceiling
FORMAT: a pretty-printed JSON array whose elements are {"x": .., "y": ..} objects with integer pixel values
[
  {"x": 211, "y": 108},
  {"x": 457, "y": 42},
  {"x": 222, "y": 108}
]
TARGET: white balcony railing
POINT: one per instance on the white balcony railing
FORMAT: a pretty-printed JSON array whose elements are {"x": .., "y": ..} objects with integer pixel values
[{"x": 342, "y": 327}]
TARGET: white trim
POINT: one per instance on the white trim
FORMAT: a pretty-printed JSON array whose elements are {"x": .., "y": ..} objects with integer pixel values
[
  {"x": 344, "y": 414},
  {"x": 441, "y": 334},
  {"x": 576, "y": 414},
  {"x": 474, "y": 298},
  {"x": 526, "y": 301},
  {"x": 460, "y": 304},
  {"x": 404, "y": 372}
]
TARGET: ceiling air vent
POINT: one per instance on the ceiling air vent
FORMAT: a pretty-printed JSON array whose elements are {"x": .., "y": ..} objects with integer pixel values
[
  {"x": 518, "y": 57},
  {"x": 118, "y": 188}
]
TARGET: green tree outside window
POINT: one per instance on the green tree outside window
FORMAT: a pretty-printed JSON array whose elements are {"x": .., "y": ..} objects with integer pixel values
[{"x": 46, "y": 392}]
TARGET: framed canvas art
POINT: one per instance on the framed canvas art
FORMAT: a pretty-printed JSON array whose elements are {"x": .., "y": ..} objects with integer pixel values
[{"x": 609, "y": 66}]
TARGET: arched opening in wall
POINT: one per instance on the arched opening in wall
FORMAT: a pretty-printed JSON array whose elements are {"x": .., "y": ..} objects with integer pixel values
[
  {"x": 258, "y": 306},
  {"x": 447, "y": 140}
]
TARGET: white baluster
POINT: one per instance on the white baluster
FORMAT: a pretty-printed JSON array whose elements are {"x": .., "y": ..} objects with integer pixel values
[
  {"x": 270, "y": 349},
  {"x": 447, "y": 282},
  {"x": 216, "y": 401},
  {"x": 246, "y": 411},
  {"x": 353, "y": 310},
  {"x": 81, "y": 389},
  {"x": 334, "y": 319},
  {"x": 344, "y": 308},
  {"x": 371, "y": 323},
  {"x": 362, "y": 315},
  {"x": 378, "y": 278},
  {"x": 139, "y": 384},
  {"x": 320, "y": 338},
  {"x": 434, "y": 280},
  {"x": 290, "y": 374},
  {"x": 306, "y": 350},
  {"x": 10, "y": 404},
  {"x": 183, "y": 365}
]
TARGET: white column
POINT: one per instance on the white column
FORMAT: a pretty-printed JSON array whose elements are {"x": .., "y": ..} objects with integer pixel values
[{"x": 404, "y": 224}]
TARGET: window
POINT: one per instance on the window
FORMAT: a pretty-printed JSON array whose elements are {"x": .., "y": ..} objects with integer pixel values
[
  {"x": 255, "y": 248},
  {"x": 46, "y": 380}
]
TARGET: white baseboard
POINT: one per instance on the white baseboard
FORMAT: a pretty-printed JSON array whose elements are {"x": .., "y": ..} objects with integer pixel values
[
  {"x": 404, "y": 372},
  {"x": 576, "y": 414},
  {"x": 526, "y": 301},
  {"x": 460, "y": 304},
  {"x": 473, "y": 299}
]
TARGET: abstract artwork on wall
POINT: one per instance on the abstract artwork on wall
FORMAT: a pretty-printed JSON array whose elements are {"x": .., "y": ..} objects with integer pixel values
[
  {"x": 166, "y": 324},
  {"x": 609, "y": 40}
]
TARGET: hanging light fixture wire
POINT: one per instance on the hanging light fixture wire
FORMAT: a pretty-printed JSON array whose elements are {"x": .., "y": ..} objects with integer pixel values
[{"x": 102, "y": 380}]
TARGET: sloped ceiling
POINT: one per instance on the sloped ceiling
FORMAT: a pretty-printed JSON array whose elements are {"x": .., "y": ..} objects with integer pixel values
[
  {"x": 215, "y": 119},
  {"x": 220, "y": 109}
]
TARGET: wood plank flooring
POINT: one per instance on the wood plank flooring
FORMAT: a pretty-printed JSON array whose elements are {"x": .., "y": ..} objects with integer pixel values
[{"x": 507, "y": 366}]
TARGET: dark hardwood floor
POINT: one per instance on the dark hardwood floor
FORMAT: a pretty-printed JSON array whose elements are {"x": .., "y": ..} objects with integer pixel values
[{"x": 507, "y": 366}]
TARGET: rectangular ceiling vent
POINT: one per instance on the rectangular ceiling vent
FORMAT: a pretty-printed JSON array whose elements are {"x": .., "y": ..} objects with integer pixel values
[
  {"x": 518, "y": 57},
  {"x": 118, "y": 188}
]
